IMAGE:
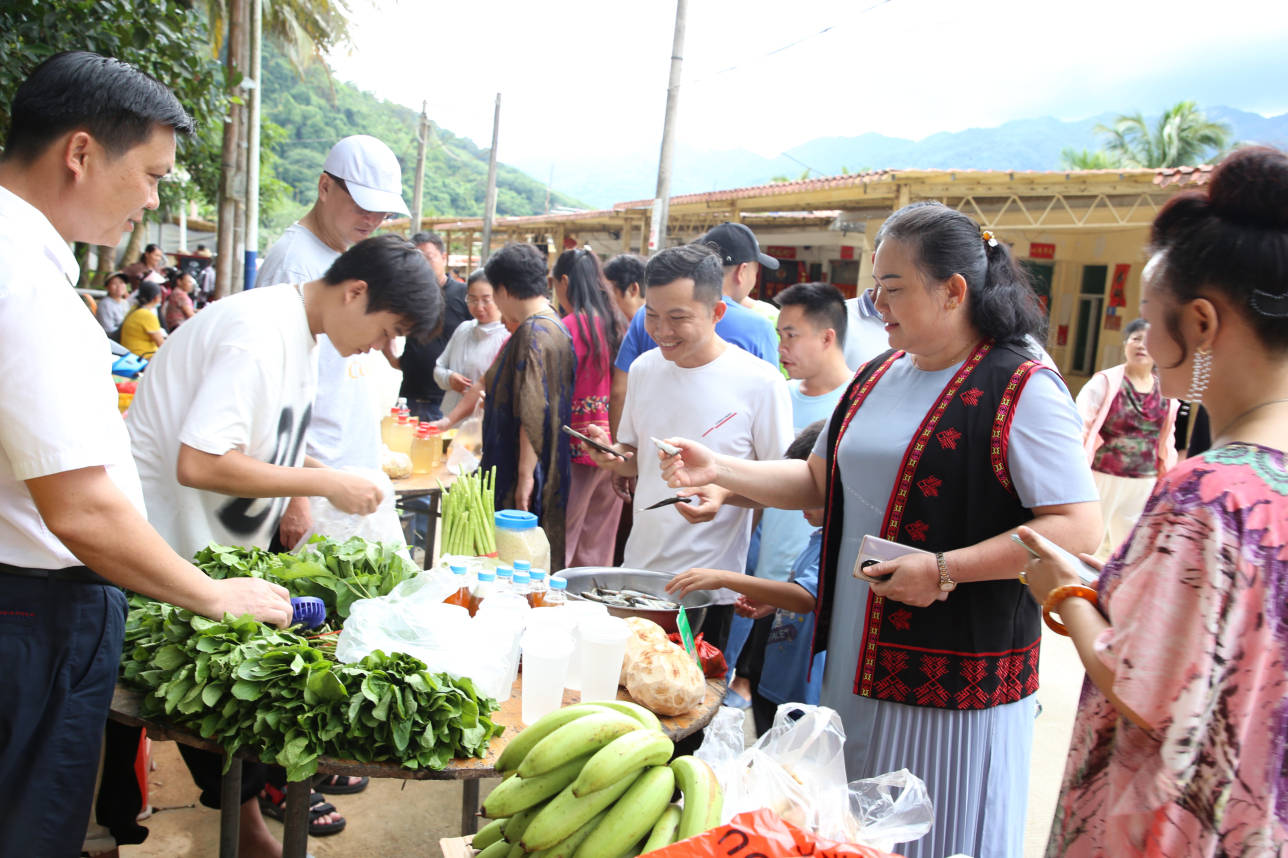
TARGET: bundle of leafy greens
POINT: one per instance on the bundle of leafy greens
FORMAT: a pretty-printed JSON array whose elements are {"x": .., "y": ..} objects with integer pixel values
[
  {"x": 245, "y": 685},
  {"x": 339, "y": 573}
]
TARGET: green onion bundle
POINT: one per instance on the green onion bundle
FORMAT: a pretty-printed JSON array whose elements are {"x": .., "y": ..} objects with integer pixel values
[{"x": 469, "y": 514}]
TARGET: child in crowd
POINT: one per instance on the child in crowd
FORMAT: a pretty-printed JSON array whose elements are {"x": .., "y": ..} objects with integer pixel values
[{"x": 785, "y": 676}]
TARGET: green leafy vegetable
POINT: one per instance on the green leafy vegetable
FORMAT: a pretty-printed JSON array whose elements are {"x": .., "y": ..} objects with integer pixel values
[{"x": 246, "y": 685}]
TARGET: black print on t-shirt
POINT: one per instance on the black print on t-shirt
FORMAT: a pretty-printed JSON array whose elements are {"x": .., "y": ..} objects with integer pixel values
[{"x": 236, "y": 516}]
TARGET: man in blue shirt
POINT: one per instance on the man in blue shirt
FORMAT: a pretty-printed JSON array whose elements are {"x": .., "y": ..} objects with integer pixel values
[{"x": 740, "y": 254}]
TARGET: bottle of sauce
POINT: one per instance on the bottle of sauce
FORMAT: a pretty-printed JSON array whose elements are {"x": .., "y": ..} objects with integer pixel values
[
  {"x": 484, "y": 587},
  {"x": 387, "y": 427},
  {"x": 423, "y": 449},
  {"x": 556, "y": 596},
  {"x": 519, "y": 584},
  {"x": 462, "y": 596},
  {"x": 434, "y": 435},
  {"x": 504, "y": 582},
  {"x": 537, "y": 588},
  {"x": 401, "y": 434}
]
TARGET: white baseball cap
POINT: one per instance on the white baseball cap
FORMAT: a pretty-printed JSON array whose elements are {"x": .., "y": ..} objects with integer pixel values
[{"x": 370, "y": 173}]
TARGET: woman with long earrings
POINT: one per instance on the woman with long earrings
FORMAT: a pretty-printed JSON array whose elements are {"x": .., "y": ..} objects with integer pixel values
[
  {"x": 596, "y": 325},
  {"x": 1179, "y": 745}
]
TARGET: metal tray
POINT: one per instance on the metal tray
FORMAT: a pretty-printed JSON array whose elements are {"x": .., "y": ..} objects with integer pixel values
[{"x": 581, "y": 578}]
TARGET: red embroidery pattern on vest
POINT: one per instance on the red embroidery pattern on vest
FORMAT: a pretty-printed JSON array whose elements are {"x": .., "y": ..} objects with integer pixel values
[
  {"x": 901, "y": 619},
  {"x": 930, "y": 486},
  {"x": 893, "y": 662},
  {"x": 917, "y": 531},
  {"x": 948, "y": 439},
  {"x": 996, "y": 451},
  {"x": 972, "y": 696},
  {"x": 1008, "y": 676},
  {"x": 932, "y": 693},
  {"x": 971, "y": 397},
  {"x": 1031, "y": 684}
]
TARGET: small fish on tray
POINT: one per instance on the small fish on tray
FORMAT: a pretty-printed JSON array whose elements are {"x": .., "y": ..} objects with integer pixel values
[{"x": 628, "y": 599}]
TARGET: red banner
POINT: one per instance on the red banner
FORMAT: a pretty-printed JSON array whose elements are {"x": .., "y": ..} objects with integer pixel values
[
  {"x": 781, "y": 252},
  {"x": 1039, "y": 250}
]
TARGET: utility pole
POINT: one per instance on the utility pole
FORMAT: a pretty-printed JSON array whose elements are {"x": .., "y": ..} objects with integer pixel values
[
  {"x": 230, "y": 189},
  {"x": 252, "y": 143},
  {"x": 661, "y": 200},
  {"x": 489, "y": 200},
  {"x": 418, "y": 195}
]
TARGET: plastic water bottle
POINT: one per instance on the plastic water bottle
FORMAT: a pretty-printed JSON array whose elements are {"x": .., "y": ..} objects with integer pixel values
[
  {"x": 484, "y": 587},
  {"x": 504, "y": 579},
  {"x": 519, "y": 585}
]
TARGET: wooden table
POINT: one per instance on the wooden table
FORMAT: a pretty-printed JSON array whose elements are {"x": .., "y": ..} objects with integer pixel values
[
  {"x": 429, "y": 486},
  {"x": 125, "y": 709}
]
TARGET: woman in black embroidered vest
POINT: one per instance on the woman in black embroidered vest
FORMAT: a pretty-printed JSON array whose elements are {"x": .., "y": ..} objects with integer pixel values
[{"x": 946, "y": 443}]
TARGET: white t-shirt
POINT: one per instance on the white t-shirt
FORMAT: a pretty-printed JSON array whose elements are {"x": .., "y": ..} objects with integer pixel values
[
  {"x": 58, "y": 407},
  {"x": 664, "y": 400},
  {"x": 345, "y": 430},
  {"x": 865, "y": 335},
  {"x": 240, "y": 375}
]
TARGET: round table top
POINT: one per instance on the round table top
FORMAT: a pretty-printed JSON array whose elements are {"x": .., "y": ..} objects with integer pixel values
[
  {"x": 125, "y": 709},
  {"x": 423, "y": 484}
]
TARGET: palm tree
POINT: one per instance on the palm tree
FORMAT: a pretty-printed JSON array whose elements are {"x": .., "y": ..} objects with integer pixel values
[
  {"x": 1085, "y": 159},
  {"x": 1182, "y": 136}
]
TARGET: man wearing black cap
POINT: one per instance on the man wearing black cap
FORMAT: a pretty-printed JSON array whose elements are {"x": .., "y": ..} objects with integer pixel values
[{"x": 740, "y": 252}]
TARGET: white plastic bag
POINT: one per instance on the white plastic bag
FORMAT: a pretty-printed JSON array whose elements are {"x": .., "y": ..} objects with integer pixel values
[
  {"x": 383, "y": 525},
  {"x": 797, "y": 769}
]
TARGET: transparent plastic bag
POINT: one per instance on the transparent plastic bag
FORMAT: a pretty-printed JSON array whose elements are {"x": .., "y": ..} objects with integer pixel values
[
  {"x": 797, "y": 770},
  {"x": 383, "y": 525},
  {"x": 723, "y": 739}
]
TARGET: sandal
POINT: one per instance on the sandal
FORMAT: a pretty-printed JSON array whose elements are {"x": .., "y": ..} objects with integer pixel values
[
  {"x": 272, "y": 803},
  {"x": 331, "y": 784}
]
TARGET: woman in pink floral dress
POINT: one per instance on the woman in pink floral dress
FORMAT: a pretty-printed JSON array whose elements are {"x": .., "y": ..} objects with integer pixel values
[{"x": 1179, "y": 745}]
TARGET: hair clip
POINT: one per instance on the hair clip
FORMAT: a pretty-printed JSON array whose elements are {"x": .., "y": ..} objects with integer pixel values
[
  {"x": 1272, "y": 306},
  {"x": 987, "y": 235}
]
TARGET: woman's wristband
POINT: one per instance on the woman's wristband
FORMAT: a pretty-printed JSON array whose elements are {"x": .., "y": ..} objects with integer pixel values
[{"x": 1058, "y": 595}]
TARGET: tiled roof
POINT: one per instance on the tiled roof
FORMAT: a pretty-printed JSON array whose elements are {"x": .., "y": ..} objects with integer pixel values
[
  {"x": 1183, "y": 175},
  {"x": 820, "y": 184}
]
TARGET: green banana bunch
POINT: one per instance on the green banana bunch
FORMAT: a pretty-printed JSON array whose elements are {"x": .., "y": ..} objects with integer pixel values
[
  {"x": 632, "y": 817},
  {"x": 517, "y": 793},
  {"x": 488, "y": 834},
  {"x": 630, "y": 752},
  {"x": 566, "y": 847},
  {"x": 519, "y": 746},
  {"x": 495, "y": 849},
  {"x": 584, "y": 735},
  {"x": 647, "y": 719},
  {"x": 703, "y": 799},
  {"x": 565, "y": 813},
  {"x": 516, "y": 825},
  {"x": 664, "y": 830}
]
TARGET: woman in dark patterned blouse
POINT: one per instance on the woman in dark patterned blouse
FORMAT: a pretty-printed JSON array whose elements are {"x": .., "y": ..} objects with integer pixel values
[{"x": 1127, "y": 431}]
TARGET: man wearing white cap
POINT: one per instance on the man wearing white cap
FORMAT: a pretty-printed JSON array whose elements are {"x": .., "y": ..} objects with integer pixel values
[{"x": 360, "y": 185}]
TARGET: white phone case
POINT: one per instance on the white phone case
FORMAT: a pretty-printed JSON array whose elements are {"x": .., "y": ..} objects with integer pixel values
[{"x": 878, "y": 549}]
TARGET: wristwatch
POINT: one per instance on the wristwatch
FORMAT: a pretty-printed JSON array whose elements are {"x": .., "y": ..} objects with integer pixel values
[{"x": 946, "y": 583}]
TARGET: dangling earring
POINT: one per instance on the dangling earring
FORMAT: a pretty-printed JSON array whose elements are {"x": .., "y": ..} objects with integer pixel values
[{"x": 1201, "y": 376}]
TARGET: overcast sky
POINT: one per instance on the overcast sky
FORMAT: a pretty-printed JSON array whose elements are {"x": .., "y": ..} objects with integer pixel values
[{"x": 590, "y": 75}]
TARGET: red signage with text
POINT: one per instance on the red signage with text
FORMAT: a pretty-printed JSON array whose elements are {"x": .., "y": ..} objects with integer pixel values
[
  {"x": 1039, "y": 250},
  {"x": 847, "y": 252},
  {"x": 780, "y": 252}
]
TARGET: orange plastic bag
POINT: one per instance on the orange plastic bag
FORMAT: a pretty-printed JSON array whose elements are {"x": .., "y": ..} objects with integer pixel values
[{"x": 762, "y": 834}]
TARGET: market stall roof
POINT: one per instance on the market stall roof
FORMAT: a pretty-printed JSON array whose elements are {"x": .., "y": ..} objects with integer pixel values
[{"x": 1114, "y": 198}]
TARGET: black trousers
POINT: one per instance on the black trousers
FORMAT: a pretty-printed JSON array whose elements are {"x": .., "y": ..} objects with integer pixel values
[{"x": 60, "y": 646}]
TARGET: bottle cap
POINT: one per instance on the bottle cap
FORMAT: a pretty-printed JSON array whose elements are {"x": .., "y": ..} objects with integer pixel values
[
  {"x": 486, "y": 575},
  {"x": 503, "y": 572},
  {"x": 538, "y": 574},
  {"x": 402, "y": 417},
  {"x": 457, "y": 570},
  {"x": 433, "y": 430},
  {"x": 424, "y": 430},
  {"x": 520, "y": 577},
  {"x": 557, "y": 583},
  {"x": 513, "y": 519},
  {"x": 525, "y": 565}
]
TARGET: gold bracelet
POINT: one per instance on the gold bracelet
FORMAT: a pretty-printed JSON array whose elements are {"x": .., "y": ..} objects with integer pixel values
[{"x": 1058, "y": 595}]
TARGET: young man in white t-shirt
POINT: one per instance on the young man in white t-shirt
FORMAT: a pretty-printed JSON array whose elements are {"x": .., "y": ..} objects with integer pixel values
[
  {"x": 694, "y": 382},
  {"x": 218, "y": 424}
]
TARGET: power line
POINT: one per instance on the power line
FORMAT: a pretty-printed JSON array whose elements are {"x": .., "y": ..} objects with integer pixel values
[{"x": 829, "y": 28}]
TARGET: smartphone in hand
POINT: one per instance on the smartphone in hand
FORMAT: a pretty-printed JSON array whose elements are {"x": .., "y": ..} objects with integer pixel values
[
  {"x": 603, "y": 448},
  {"x": 1089, "y": 574}
]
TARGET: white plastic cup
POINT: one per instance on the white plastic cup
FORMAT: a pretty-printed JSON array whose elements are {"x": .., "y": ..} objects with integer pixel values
[
  {"x": 545, "y": 667},
  {"x": 580, "y": 612},
  {"x": 603, "y": 647}
]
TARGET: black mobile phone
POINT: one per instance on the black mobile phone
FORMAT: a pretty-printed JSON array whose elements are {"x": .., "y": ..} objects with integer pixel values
[
  {"x": 603, "y": 448},
  {"x": 866, "y": 563}
]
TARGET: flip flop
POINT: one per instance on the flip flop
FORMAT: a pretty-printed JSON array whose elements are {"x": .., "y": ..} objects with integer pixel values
[
  {"x": 328, "y": 785},
  {"x": 272, "y": 803}
]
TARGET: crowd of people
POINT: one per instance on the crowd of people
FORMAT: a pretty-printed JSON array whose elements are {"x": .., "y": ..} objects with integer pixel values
[{"x": 802, "y": 435}]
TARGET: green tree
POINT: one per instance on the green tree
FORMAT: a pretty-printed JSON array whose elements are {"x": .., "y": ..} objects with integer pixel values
[
  {"x": 1085, "y": 159},
  {"x": 1182, "y": 136}
]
